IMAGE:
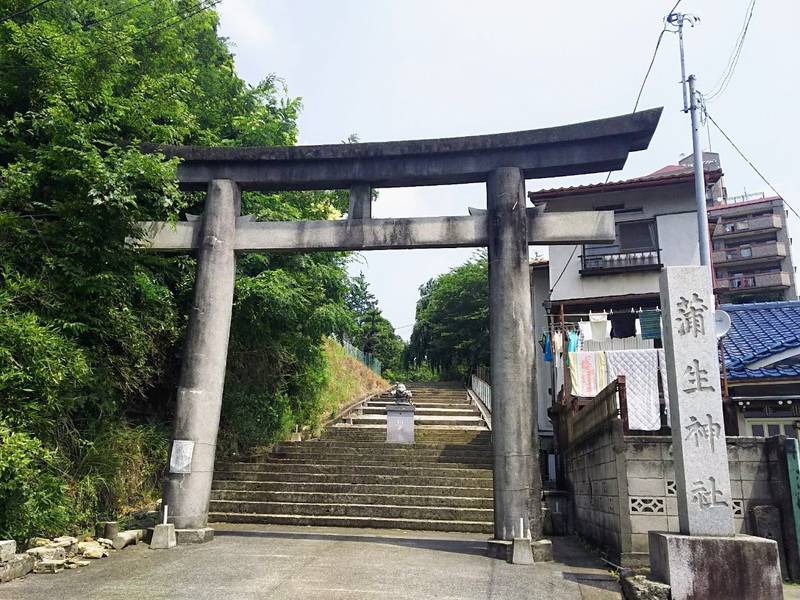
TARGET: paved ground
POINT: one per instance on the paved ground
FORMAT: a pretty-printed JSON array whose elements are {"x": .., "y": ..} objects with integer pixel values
[{"x": 251, "y": 562}]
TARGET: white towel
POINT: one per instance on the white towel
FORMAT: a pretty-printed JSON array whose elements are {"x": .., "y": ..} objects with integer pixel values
[
  {"x": 640, "y": 368},
  {"x": 587, "y": 372},
  {"x": 600, "y": 326}
]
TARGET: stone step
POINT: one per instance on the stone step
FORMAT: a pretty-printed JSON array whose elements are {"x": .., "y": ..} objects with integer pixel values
[
  {"x": 395, "y": 457},
  {"x": 384, "y": 511},
  {"x": 314, "y": 469},
  {"x": 479, "y": 445},
  {"x": 336, "y": 487},
  {"x": 362, "y": 461},
  {"x": 369, "y": 522},
  {"x": 453, "y": 421},
  {"x": 352, "y": 498},
  {"x": 422, "y": 411},
  {"x": 416, "y": 480},
  {"x": 422, "y": 435}
]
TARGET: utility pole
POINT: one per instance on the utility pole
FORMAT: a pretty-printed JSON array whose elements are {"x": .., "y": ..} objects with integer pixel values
[{"x": 690, "y": 106}]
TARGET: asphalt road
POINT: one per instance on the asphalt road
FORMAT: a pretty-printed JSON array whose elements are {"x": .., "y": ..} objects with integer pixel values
[{"x": 251, "y": 562}]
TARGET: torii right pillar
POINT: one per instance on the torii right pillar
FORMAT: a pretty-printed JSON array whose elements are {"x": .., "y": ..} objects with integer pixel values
[{"x": 517, "y": 481}]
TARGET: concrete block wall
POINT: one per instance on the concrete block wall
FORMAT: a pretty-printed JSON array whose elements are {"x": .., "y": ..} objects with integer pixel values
[
  {"x": 597, "y": 490},
  {"x": 624, "y": 486}
]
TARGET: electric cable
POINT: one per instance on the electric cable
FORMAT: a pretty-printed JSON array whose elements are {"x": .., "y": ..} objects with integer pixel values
[
  {"x": 96, "y": 22},
  {"x": 749, "y": 162},
  {"x": 24, "y": 11},
  {"x": 650, "y": 67},
  {"x": 727, "y": 74}
]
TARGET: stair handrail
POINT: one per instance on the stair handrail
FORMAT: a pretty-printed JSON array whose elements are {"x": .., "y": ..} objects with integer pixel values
[
  {"x": 357, "y": 404},
  {"x": 480, "y": 393}
]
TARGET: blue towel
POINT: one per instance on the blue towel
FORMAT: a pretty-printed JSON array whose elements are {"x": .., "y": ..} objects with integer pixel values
[{"x": 650, "y": 324}]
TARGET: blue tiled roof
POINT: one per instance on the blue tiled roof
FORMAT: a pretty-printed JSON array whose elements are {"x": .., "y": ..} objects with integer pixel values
[{"x": 758, "y": 331}]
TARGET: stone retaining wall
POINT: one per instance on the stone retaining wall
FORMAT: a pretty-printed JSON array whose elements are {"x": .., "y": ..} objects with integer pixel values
[{"x": 624, "y": 486}]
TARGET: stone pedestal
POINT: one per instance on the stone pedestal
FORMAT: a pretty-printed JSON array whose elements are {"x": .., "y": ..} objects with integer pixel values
[
  {"x": 400, "y": 424},
  {"x": 716, "y": 568},
  {"x": 200, "y": 535},
  {"x": 163, "y": 537},
  {"x": 541, "y": 550}
]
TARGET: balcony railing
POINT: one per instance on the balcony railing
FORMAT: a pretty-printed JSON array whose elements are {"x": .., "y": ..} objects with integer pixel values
[
  {"x": 754, "y": 281},
  {"x": 630, "y": 260},
  {"x": 750, "y": 253},
  {"x": 745, "y": 226}
]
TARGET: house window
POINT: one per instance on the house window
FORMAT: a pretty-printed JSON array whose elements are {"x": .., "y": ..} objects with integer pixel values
[
  {"x": 636, "y": 245},
  {"x": 771, "y": 428}
]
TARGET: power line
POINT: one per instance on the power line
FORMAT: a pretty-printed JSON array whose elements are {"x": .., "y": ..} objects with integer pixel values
[
  {"x": 95, "y": 22},
  {"x": 650, "y": 67},
  {"x": 727, "y": 74},
  {"x": 566, "y": 264},
  {"x": 749, "y": 162},
  {"x": 164, "y": 24},
  {"x": 24, "y": 11}
]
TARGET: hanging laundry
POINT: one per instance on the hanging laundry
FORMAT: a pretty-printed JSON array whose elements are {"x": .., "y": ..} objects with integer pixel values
[
  {"x": 548, "y": 348},
  {"x": 586, "y": 330},
  {"x": 599, "y": 325},
  {"x": 623, "y": 325},
  {"x": 650, "y": 324},
  {"x": 558, "y": 343},
  {"x": 662, "y": 369},
  {"x": 587, "y": 373},
  {"x": 640, "y": 368},
  {"x": 572, "y": 341}
]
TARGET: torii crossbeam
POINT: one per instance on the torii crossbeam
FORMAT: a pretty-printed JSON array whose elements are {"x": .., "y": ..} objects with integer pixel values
[{"x": 502, "y": 161}]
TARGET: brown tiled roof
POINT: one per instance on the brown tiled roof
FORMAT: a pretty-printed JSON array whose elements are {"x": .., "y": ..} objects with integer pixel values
[{"x": 669, "y": 175}]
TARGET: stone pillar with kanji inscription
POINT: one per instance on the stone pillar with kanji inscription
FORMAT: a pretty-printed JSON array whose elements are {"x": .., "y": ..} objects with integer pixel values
[
  {"x": 698, "y": 431},
  {"x": 707, "y": 559}
]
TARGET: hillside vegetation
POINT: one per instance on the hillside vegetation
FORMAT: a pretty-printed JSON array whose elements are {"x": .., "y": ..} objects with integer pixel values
[{"x": 90, "y": 329}]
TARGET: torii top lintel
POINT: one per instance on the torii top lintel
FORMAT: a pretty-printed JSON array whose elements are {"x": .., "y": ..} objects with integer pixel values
[{"x": 589, "y": 147}]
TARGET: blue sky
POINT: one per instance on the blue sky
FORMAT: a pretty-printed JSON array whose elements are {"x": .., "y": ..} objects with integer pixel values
[{"x": 408, "y": 69}]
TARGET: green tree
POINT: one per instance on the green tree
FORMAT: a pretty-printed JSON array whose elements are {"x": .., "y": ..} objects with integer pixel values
[
  {"x": 451, "y": 330},
  {"x": 372, "y": 333},
  {"x": 90, "y": 329}
]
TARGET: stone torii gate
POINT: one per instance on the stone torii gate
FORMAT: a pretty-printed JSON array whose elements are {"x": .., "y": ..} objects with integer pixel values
[{"x": 502, "y": 161}]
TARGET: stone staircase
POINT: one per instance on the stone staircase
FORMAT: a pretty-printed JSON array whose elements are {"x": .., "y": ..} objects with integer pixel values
[{"x": 350, "y": 477}]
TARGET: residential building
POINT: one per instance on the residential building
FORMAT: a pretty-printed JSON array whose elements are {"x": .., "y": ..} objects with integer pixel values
[
  {"x": 656, "y": 226},
  {"x": 751, "y": 252},
  {"x": 762, "y": 367}
]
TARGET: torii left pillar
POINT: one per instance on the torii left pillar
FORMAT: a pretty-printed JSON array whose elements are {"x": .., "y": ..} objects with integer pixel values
[{"x": 187, "y": 489}]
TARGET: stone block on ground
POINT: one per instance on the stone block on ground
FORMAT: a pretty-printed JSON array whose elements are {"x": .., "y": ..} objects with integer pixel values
[
  {"x": 77, "y": 562},
  {"x": 521, "y": 553},
  {"x": 107, "y": 529},
  {"x": 716, "y": 567},
  {"x": 47, "y": 553},
  {"x": 49, "y": 566},
  {"x": 194, "y": 536},
  {"x": 639, "y": 587},
  {"x": 92, "y": 550},
  {"x": 8, "y": 550},
  {"x": 19, "y": 566},
  {"x": 127, "y": 538},
  {"x": 35, "y": 542},
  {"x": 542, "y": 551},
  {"x": 766, "y": 522},
  {"x": 163, "y": 537}
]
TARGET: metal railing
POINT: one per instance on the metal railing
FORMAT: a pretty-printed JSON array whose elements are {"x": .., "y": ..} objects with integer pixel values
[
  {"x": 365, "y": 357},
  {"x": 753, "y": 280},
  {"x": 643, "y": 257},
  {"x": 483, "y": 390}
]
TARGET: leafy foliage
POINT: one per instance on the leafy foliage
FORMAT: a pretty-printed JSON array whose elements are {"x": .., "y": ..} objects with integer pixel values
[
  {"x": 91, "y": 329},
  {"x": 373, "y": 333},
  {"x": 451, "y": 331}
]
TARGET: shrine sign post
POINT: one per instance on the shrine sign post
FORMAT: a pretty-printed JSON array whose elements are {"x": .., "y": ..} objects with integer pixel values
[
  {"x": 501, "y": 161},
  {"x": 707, "y": 559}
]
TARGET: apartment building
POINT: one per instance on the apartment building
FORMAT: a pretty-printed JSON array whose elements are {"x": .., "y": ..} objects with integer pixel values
[{"x": 751, "y": 249}]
